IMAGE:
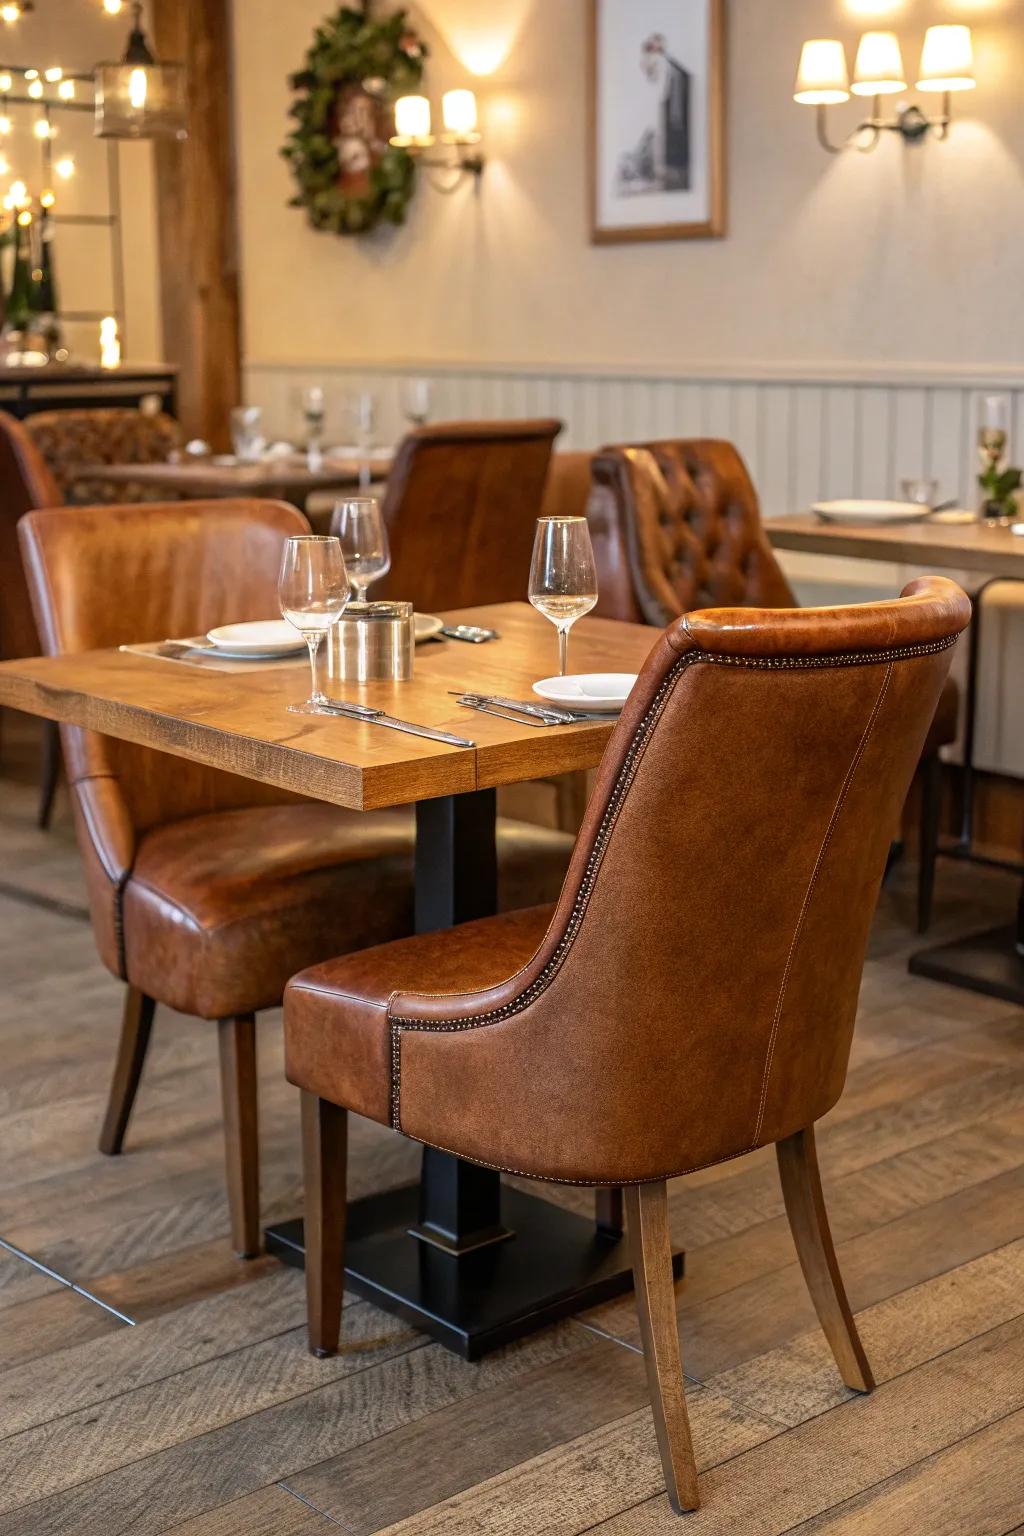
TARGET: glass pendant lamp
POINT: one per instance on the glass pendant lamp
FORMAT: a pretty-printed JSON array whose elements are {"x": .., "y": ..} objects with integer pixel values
[{"x": 140, "y": 98}]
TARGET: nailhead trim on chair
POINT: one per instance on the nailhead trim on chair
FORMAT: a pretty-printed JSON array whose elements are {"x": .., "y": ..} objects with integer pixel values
[{"x": 615, "y": 804}]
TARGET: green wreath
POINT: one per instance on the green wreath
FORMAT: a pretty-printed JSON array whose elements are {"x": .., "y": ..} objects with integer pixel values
[{"x": 349, "y": 177}]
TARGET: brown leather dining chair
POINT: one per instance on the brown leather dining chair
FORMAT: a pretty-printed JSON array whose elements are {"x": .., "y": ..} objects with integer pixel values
[
  {"x": 207, "y": 891},
  {"x": 677, "y": 525},
  {"x": 692, "y": 995},
  {"x": 25, "y": 484},
  {"x": 461, "y": 508}
]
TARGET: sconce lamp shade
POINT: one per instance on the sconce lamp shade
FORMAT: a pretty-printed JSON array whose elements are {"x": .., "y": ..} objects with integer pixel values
[
  {"x": 460, "y": 117},
  {"x": 822, "y": 79},
  {"x": 947, "y": 59},
  {"x": 139, "y": 98},
  {"x": 412, "y": 122},
  {"x": 879, "y": 67}
]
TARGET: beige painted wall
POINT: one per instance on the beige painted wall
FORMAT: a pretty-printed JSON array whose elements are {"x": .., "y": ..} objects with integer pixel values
[
  {"x": 909, "y": 256},
  {"x": 76, "y": 34}
]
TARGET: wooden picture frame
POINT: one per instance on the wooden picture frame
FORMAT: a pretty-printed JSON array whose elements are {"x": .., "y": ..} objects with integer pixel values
[{"x": 656, "y": 139}]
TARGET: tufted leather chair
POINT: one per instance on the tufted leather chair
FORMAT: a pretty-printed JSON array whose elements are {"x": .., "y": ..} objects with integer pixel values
[
  {"x": 208, "y": 891},
  {"x": 25, "y": 483},
  {"x": 461, "y": 507},
  {"x": 102, "y": 435},
  {"x": 676, "y": 525},
  {"x": 692, "y": 995}
]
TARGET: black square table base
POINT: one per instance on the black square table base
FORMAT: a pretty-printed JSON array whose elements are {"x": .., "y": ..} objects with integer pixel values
[
  {"x": 555, "y": 1263},
  {"x": 989, "y": 962}
]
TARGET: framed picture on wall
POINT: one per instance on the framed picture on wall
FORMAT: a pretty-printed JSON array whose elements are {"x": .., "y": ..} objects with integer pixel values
[{"x": 657, "y": 119}]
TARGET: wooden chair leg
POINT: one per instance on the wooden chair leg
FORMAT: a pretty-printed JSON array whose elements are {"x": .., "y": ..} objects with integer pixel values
[
  {"x": 808, "y": 1221},
  {"x": 50, "y": 774},
  {"x": 928, "y": 840},
  {"x": 324, "y": 1161},
  {"x": 609, "y": 1212},
  {"x": 237, "y": 1040},
  {"x": 136, "y": 1026},
  {"x": 651, "y": 1250}
]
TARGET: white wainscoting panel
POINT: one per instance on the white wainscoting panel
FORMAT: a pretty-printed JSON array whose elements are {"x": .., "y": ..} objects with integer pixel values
[{"x": 805, "y": 436}]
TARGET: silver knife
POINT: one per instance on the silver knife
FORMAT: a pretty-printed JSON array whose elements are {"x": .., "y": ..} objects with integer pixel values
[
  {"x": 378, "y": 717},
  {"x": 550, "y": 715},
  {"x": 486, "y": 707}
]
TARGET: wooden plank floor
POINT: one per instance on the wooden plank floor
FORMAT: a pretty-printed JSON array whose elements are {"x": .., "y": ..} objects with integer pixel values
[{"x": 149, "y": 1382}]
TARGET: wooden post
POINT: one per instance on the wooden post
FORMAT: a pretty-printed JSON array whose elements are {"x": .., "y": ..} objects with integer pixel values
[{"x": 197, "y": 222}]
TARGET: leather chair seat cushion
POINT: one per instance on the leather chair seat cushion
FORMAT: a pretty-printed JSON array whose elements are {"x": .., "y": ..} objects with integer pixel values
[
  {"x": 943, "y": 729},
  {"x": 222, "y": 909},
  {"x": 337, "y": 1035}
]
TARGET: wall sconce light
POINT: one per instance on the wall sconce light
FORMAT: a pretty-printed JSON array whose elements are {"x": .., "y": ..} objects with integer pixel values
[
  {"x": 947, "y": 65},
  {"x": 461, "y": 134}
]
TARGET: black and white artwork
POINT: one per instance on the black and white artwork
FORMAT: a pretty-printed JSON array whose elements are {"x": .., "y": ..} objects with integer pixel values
[{"x": 656, "y": 108}]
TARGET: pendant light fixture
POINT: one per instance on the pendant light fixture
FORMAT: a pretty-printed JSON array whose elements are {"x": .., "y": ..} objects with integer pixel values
[{"x": 140, "y": 98}]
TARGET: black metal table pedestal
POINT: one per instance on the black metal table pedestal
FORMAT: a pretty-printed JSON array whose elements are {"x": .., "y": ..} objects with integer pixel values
[
  {"x": 990, "y": 962},
  {"x": 460, "y": 1256}
]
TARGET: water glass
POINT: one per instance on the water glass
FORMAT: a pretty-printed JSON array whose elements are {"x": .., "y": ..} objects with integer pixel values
[
  {"x": 359, "y": 527},
  {"x": 923, "y": 493},
  {"x": 247, "y": 438},
  {"x": 313, "y": 590},
  {"x": 416, "y": 401},
  {"x": 563, "y": 576}
]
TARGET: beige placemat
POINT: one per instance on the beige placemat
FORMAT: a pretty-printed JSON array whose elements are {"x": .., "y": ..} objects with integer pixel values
[{"x": 196, "y": 651}]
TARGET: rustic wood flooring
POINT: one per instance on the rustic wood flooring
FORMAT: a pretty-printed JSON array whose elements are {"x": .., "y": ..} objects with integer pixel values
[{"x": 150, "y": 1382}]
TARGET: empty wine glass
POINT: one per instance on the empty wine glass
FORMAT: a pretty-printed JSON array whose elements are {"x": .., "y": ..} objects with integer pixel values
[
  {"x": 359, "y": 527},
  {"x": 416, "y": 401},
  {"x": 313, "y": 413},
  {"x": 313, "y": 590},
  {"x": 563, "y": 576},
  {"x": 363, "y": 411}
]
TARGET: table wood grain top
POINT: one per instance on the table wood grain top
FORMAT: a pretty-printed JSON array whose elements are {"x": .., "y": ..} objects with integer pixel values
[
  {"x": 284, "y": 479},
  {"x": 947, "y": 546},
  {"x": 243, "y": 725}
]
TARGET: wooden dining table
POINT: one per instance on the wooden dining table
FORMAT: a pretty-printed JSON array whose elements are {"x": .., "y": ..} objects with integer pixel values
[
  {"x": 991, "y": 962},
  {"x": 471, "y": 1293},
  {"x": 280, "y": 479}
]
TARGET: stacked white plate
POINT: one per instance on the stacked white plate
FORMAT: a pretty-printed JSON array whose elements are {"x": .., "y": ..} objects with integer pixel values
[{"x": 869, "y": 513}]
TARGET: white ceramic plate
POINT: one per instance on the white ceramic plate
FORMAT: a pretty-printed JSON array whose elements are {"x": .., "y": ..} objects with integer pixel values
[
  {"x": 592, "y": 691},
  {"x": 427, "y": 626},
  {"x": 870, "y": 511},
  {"x": 259, "y": 640}
]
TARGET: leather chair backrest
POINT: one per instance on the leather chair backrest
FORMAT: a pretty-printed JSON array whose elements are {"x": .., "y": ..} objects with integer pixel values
[
  {"x": 106, "y": 576},
  {"x": 461, "y": 507},
  {"x": 683, "y": 518},
  {"x": 102, "y": 435},
  {"x": 25, "y": 483},
  {"x": 695, "y": 994}
]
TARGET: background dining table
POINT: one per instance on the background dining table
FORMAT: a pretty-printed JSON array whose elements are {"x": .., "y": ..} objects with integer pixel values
[
  {"x": 279, "y": 479},
  {"x": 470, "y": 1292},
  {"x": 991, "y": 962}
]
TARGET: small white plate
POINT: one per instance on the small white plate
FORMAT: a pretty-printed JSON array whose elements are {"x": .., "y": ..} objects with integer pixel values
[
  {"x": 599, "y": 692},
  {"x": 870, "y": 511},
  {"x": 259, "y": 640},
  {"x": 427, "y": 626}
]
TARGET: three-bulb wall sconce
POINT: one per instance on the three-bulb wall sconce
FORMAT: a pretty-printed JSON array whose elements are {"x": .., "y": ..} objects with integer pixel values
[
  {"x": 823, "y": 80},
  {"x": 460, "y": 136}
]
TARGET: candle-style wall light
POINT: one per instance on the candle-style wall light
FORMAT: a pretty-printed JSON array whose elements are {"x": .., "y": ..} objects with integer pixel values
[
  {"x": 823, "y": 80},
  {"x": 461, "y": 136}
]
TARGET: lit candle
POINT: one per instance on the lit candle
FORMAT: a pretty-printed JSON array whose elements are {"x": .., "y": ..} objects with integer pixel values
[
  {"x": 460, "y": 116},
  {"x": 412, "y": 118},
  {"x": 110, "y": 345}
]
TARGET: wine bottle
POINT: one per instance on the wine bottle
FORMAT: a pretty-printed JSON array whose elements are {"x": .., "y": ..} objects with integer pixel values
[
  {"x": 44, "y": 301},
  {"x": 19, "y": 304}
]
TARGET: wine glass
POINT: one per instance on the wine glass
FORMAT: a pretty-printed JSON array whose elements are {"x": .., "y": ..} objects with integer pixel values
[
  {"x": 313, "y": 590},
  {"x": 416, "y": 401},
  {"x": 563, "y": 576},
  {"x": 247, "y": 433},
  {"x": 313, "y": 413},
  {"x": 363, "y": 411},
  {"x": 359, "y": 528}
]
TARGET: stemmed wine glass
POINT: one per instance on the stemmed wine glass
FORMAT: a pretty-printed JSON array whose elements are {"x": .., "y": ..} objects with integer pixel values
[
  {"x": 563, "y": 576},
  {"x": 313, "y": 591},
  {"x": 359, "y": 527},
  {"x": 313, "y": 414},
  {"x": 416, "y": 401}
]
